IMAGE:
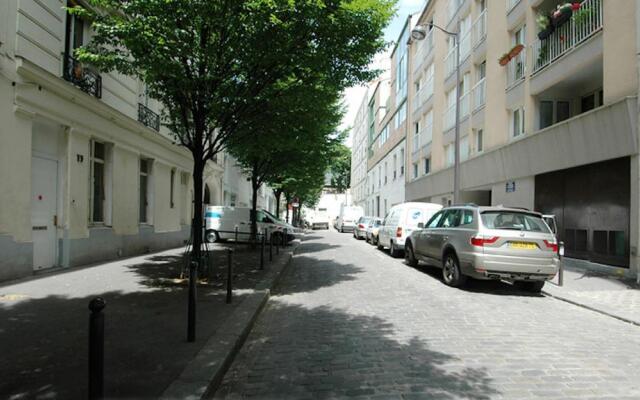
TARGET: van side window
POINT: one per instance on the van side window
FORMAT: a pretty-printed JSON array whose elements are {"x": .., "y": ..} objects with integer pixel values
[{"x": 433, "y": 222}]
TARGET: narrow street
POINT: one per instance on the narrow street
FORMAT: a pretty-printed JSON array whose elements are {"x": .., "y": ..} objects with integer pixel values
[{"x": 349, "y": 320}]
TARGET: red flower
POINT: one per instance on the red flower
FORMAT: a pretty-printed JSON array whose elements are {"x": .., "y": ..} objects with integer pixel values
[{"x": 576, "y": 6}]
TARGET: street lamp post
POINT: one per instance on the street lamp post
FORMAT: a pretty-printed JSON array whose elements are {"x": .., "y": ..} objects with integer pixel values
[{"x": 420, "y": 33}]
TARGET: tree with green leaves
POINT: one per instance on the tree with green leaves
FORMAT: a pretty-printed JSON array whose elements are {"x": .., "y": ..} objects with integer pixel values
[
  {"x": 212, "y": 63},
  {"x": 341, "y": 168}
]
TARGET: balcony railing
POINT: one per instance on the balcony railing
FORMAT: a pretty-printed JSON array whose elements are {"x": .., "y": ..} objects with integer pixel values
[
  {"x": 424, "y": 48},
  {"x": 511, "y": 4},
  {"x": 479, "y": 93},
  {"x": 450, "y": 62},
  {"x": 450, "y": 117},
  {"x": 148, "y": 117},
  {"x": 454, "y": 5},
  {"x": 465, "y": 45},
  {"x": 416, "y": 142},
  {"x": 583, "y": 24},
  {"x": 516, "y": 69},
  {"x": 480, "y": 28},
  {"x": 464, "y": 105},
  {"x": 82, "y": 76}
]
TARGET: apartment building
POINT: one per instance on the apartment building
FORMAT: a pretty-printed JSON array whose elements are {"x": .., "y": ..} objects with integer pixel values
[
  {"x": 553, "y": 129},
  {"x": 359, "y": 148},
  {"x": 87, "y": 171},
  {"x": 387, "y": 126}
]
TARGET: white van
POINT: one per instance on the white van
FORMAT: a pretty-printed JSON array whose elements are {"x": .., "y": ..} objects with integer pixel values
[
  {"x": 222, "y": 221},
  {"x": 348, "y": 217},
  {"x": 400, "y": 221}
]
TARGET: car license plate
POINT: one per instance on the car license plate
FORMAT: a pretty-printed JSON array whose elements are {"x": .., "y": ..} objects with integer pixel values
[{"x": 523, "y": 245}]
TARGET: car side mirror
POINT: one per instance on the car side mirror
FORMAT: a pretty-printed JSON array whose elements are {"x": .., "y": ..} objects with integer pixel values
[{"x": 420, "y": 225}]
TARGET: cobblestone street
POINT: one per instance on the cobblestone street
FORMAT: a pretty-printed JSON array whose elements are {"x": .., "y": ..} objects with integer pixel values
[{"x": 351, "y": 321}]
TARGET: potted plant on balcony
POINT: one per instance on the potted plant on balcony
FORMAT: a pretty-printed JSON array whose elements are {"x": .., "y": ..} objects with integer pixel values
[
  {"x": 562, "y": 14},
  {"x": 515, "y": 50},
  {"x": 504, "y": 59},
  {"x": 545, "y": 26}
]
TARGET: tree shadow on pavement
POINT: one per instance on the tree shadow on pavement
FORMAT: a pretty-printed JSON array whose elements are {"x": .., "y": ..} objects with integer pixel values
[
  {"x": 296, "y": 352},
  {"x": 309, "y": 274},
  {"x": 492, "y": 287},
  {"x": 315, "y": 247}
]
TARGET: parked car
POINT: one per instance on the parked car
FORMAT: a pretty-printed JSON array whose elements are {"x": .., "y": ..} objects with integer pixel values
[
  {"x": 318, "y": 219},
  {"x": 222, "y": 221},
  {"x": 487, "y": 243},
  {"x": 346, "y": 221},
  {"x": 360, "y": 230},
  {"x": 401, "y": 220},
  {"x": 371, "y": 232}
]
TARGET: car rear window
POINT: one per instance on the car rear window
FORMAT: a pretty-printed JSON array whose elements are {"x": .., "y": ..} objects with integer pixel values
[{"x": 513, "y": 220}]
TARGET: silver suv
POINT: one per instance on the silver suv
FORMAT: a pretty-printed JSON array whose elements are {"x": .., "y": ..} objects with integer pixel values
[{"x": 487, "y": 243}]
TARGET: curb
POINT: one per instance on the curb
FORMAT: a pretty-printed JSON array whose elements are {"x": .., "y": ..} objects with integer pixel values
[
  {"x": 204, "y": 373},
  {"x": 575, "y": 303}
]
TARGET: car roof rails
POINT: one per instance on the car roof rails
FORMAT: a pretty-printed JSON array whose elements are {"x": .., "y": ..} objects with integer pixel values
[{"x": 464, "y": 205}]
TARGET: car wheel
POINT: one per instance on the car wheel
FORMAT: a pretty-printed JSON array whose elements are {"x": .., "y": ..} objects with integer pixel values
[
  {"x": 211, "y": 236},
  {"x": 409, "y": 256},
  {"x": 451, "y": 273},
  {"x": 533, "y": 287},
  {"x": 393, "y": 250},
  {"x": 378, "y": 245}
]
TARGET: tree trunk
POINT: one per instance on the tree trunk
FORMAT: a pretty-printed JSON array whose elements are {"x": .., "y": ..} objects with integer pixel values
[
  {"x": 254, "y": 207},
  {"x": 277, "y": 193},
  {"x": 287, "y": 198},
  {"x": 198, "y": 173}
]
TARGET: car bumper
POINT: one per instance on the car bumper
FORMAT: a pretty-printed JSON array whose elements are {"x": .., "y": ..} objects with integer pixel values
[
  {"x": 482, "y": 266},
  {"x": 348, "y": 228},
  {"x": 320, "y": 225}
]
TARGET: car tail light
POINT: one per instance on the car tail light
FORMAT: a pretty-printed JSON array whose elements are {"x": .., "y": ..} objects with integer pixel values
[
  {"x": 399, "y": 232},
  {"x": 481, "y": 241},
  {"x": 551, "y": 245},
  {"x": 360, "y": 226}
]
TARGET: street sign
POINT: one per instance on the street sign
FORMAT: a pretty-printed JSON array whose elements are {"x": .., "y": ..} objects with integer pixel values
[{"x": 295, "y": 205}]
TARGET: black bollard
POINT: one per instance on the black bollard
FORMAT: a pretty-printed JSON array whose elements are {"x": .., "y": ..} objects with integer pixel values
[
  {"x": 229, "y": 274},
  {"x": 96, "y": 348},
  {"x": 191, "y": 312},
  {"x": 561, "y": 269},
  {"x": 262, "y": 252},
  {"x": 236, "y": 230},
  {"x": 278, "y": 244}
]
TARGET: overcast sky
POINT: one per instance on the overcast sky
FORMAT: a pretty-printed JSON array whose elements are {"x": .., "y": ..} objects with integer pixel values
[{"x": 352, "y": 97}]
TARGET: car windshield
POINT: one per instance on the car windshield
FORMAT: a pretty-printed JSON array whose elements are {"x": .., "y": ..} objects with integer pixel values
[
  {"x": 273, "y": 216},
  {"x": 513, "y": 220}
]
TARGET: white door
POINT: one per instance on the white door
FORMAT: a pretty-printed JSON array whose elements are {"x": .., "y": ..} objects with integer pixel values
[{"x": 44, "y": 194}]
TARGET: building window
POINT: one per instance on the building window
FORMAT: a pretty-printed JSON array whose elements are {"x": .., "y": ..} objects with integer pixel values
[
  {"x": 172, "y": 188},
  {"x": 415, "y": 170},
  {"x": 75, "y": 32},
  {"x": 100, "y": 183},
  {"x": 464, "y": 148},
  {"x": 517, "y": 122},
  {"x": 450, "y": 154},
  {"x": 427, "y": 165},
  {"x": 386, "y": 173},
  {"x": 145, "y": 197},
  {"x": 395, "y": 166},
  {"x": 479, "y": 140},
  {"x": 546, "y": 114}
]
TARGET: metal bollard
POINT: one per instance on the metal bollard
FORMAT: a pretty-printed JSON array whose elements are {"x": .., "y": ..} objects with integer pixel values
[
  {"x": 278, "y": 245},
  {"x": 561, "y": 269},
  {"x": 229, "y": 275},
  {"x": 262, "y": 252},
  {"x": 270, "y": 248},
  {"x": 96, "y": 348},
  {"x": 191, "y": 311},
  {"x": 236, "y": 231}
]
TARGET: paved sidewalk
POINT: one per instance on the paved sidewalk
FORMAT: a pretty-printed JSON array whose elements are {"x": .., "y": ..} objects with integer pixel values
[
  {"x": 615, "y": 296},
  {"x": 44, "y": 324}
]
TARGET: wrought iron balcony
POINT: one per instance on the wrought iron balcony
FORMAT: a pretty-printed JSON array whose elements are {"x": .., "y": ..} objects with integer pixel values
[
  {"x": 82, "y": 76},
  {"x": 148, "y": 117}
]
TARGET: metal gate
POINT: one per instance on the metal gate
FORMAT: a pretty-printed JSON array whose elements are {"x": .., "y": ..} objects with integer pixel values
[{"x": 591, "y": 204}]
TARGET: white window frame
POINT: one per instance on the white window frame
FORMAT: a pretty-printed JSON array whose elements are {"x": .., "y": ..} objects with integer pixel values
[
  {"x": 519, "y": 130},
  {"x": 106, "y": 181}
]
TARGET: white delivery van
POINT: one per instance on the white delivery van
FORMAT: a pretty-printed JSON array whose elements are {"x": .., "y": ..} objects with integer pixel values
[
  {"x": 221, "y": 223},
  {"x": 400, "y": 221},
  {"x": 318, "y": 218},
  {"x": 348, "y": 217}
]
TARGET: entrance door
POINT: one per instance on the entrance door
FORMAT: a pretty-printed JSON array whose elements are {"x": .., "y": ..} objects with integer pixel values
[{"x": 44, "y": 194}]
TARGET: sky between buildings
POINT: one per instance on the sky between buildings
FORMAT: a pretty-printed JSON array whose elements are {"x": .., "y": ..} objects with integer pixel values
[{"x": 352, "y": 97}]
